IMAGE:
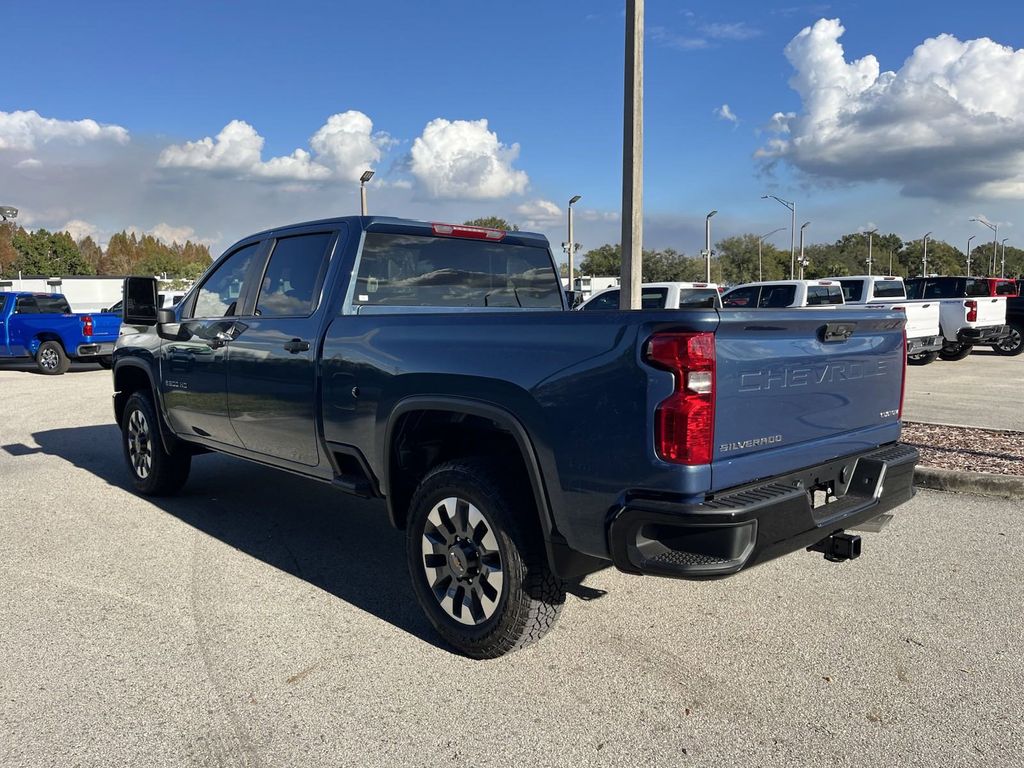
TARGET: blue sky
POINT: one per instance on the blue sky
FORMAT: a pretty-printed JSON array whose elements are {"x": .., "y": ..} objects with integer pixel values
[{"x": 546, "y": 76}]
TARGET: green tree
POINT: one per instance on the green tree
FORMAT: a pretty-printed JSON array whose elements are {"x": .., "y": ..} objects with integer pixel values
[
  {"x": 736, "y": 261},
  {"x": 662, "y": 266},
  {"x": 45, "y": 253},
  {"x": 92, "y": 254},
  {"x": 492, "y": 222},
  {"x": 8, "y": 253}
]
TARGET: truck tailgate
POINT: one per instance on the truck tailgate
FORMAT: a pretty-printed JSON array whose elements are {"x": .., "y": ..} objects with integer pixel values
[
  {"x": 787, "y": 398},
  {"x": 922, "y": 318},
  {"x": 991, "y": 311},
  {"x": 105, "y": 326}
]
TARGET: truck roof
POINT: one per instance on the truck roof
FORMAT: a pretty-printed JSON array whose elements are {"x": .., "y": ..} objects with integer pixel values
[
  {"x": 834, "y": 281},
  {"x": 870, "y": 277},
  {"x": 392, "y": 224}
]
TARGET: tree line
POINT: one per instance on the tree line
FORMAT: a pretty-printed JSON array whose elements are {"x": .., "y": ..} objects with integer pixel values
[{"x": 43, "y": 253}]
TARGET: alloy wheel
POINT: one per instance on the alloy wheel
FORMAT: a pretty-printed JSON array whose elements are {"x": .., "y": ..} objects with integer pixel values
[
  {"x": 1011, "y": 341},
  {"x": 49, "y": 359},
  {"x": 140, "y": 449}
]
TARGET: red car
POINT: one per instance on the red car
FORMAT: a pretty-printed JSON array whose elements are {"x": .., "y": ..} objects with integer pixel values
[{"x": 1002, "y": 286}]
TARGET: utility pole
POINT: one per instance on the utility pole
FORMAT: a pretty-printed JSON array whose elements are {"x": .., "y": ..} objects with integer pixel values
[
  {"x": 760, "y": 240},
  {"x": 707, "y": 244},
  {"x": 995, "y": 235},
  {"x": 792, "y": 230},
  {"x": 367, "y": 175},
  {"x": 633, "y": 159},
  {"x": 924, "y": 261},
  {"x": 890, "y": 261},
  {"x": 571, "y": 246},
  {"x": 803, "y": 226},
  {"x": 969, "y": 239},
  {"x": 870, "y": 234},
  {"x": 1002, "y": 263}
]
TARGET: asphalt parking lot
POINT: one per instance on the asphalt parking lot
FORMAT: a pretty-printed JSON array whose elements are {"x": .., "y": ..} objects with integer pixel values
[
  {"x": 982, "y": 390},
  {"x": 262, "y": 620}
]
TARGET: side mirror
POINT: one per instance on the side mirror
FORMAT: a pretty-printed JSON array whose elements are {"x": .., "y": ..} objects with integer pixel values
[
  {"x": 164, "y": 316},
  {"x": 140, "y": 302}
]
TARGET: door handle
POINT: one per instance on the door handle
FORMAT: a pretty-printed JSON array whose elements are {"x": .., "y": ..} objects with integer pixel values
[
  {"x": 296, "y": 345},
  {"x": 219, "y": 340}
]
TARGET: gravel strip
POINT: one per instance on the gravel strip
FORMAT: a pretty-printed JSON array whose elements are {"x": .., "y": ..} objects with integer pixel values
[{"x": 967, "y": 449}]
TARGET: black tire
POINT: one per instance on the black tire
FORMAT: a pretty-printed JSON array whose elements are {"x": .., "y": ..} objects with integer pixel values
[
  {"x": 155, "y": 472},
  {"x": 51, "y": 359},
  {"x": 105, "y": 362},
  {"x": 955, "y": 351},
  {"x": 922, "y": 358},
  {"x": 1012, "y": 344},
  {"x": 510, "y": 597}
]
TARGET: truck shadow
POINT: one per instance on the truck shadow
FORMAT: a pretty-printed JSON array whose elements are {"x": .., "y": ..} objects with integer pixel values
[{"x": 340, "y": 544}]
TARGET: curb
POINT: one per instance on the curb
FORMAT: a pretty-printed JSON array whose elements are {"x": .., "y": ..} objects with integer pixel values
[{"x": 980, "y": 483}]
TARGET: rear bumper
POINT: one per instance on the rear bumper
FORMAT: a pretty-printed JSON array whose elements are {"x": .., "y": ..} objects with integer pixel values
[
  {"x": 95, "y": 350},
  {"x": 924, "y": 344},
  {"x": 751, "y": 524},
  {"x": 989, "y": 335}
]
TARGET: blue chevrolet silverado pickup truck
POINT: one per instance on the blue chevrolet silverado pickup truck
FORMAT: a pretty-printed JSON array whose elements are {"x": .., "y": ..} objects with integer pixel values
[
  {"x": 520, "y": 445},
  {"x": 42, "y": 327}
]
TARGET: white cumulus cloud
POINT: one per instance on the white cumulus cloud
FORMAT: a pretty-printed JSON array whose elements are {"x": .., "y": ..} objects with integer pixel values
[
  {"x": 948, "y": 123},
  {"x": 79, "y": 229},
  {"x": 539, "y": 214},
  {"x": 463, "y": 159},
  {"x": 24, "y": 131},
  {"x": 342, "y": 148},
  {"x": 725, "y": 113}
]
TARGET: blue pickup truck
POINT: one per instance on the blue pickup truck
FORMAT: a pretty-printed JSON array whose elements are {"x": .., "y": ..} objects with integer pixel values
[
  {"x": 42, "y": 327},
  {"x": 438, "y": 369}
]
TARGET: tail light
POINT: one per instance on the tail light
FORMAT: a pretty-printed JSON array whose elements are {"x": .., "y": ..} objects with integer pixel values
[
  {"x": 87, "y": 325},
  {"x": 972, "y": 310},
  {"x": 903, "y": 383},
  {"x": 684, "y": 423}
]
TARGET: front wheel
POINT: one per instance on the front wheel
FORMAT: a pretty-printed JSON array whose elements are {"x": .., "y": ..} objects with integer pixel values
[
  {"x": 1012, "y": 344},
  {"x": 922, "y": 358},
  {"x": 155, "y": 472},
  {"x": 477, "y": 561},
  {"x": 955, "y": 351},
  {"x": 51, "y": 359}
]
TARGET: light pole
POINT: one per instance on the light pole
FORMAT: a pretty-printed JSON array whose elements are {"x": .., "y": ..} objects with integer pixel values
[
  {"x": 571, "y": 246},
  {"x": 890, "y": 261},
  {"x": 707, "y": 245},
  {"x": 803, "y": 226},
  {"x": 995, "y": 235},
  {"x": 760, "y": 240},
  {"x": 1002, "y": 257},
  {"x": 632, "y": 216},
  {"x": 924, "y": 261},
  {"x": 792, "y": 230},
  {"x": 870, "y": 235},
  {"x": 969, "y": 239},
  {"x": 367, "y": 175}
]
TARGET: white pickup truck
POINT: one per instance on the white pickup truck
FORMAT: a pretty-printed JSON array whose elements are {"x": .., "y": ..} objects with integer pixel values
[
  {"x": 968, "y": 315},
  {"x": 887, "y": 292},
  {"x": 661, "y": 296},
  {"x": 779, "y": 294}
]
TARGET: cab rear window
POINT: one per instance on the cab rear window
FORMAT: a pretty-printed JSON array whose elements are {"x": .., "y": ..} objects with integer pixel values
[
  {"x": 420, "y": 271},
  {"x": 889, "y": 289}
]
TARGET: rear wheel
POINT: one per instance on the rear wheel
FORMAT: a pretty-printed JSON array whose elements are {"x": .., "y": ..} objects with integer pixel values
[
  {"x": 51, "y": 359},
  {"x": 1012, "y": 344},
  {"x": 105, "y": 362},
  {"x": 922, "y": 358},
  {"x": 477, "y": 561},
  {"x": 955, "y": 351},
  {"x": 155, "y": 472}
]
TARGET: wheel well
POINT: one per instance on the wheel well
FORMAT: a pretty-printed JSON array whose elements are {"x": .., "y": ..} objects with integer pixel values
[
  {"x": 423, "y": 439},
  {"x": 48, "y": 336},
  {"x": 127, "y": 381}
]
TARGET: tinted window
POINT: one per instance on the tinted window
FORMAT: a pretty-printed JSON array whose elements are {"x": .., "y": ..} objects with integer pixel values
[
  {"x": 413, "y": 270},
  {"x": 889, "y": 289},
  {"x": 3, "y": 302},
  {"x": 741, "y": 297},
  {"x": 1006, "y": 288},
  {"x": 915, "y": 289},
  {"x": 653, "y": 298},
  {"x": 218, "y": 297},
  {"x": 975, "y": 287},
  {"x": 293, "y": 277},
  {"x": 818, "y": 295},
  {"x": 53, "y": 305},
  {"x": 26, "y": 305},
  {"x": 607, "y": 300},
  {"x": 698, "y": 297},
  {"x": 777, "y": 296},
  {"x": 853, "y": 289}
]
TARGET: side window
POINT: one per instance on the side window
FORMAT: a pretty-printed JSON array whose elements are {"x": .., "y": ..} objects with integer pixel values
[
  {"x": 3, "y": 302},
  {"x": 976, "y": 288},
  {"x": 777, "y": 296},
  {"x": 741, "y": 297},
  {"x": 653, "y": 298},
  {"x": 26, "y": 306},
  {"x": 932, "y": 290},
  {"x": 293, "y": 277},
  {"x": 52, "y": 305},
  {"x": 607, "y": 300},
  {"x": 852, "y": 290},
  {"x": 219, "y": 295}
]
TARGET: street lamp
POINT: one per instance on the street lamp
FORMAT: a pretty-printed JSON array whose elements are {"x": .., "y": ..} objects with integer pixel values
[
  {"x": 969, "y": 254},
  {"x": 995, "y": 235},
  {"x": 1002, "y": 256},
  {"x": 924, "y": 261},
  {"x": 571, "y": 246},
  {"x": 803, "y": 263},
  {"x": 760, "y": 240},
  {"x": 367, "y": 175},
  {"x": 792, "y": 230},
  {"x": 870, "y": 234},
  {"x": 707, "y": 244},
  {"x": 7, "y": 212}
]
